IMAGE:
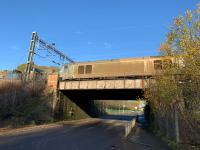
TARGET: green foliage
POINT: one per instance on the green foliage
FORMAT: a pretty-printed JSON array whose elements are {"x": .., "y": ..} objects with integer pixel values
[
  {"x": 174, "y": 145},
  {"x": 164, "y": 93},
  {"x": 183, "y": 76},
  {"x": 179, "y": 83},
  {"x": 21, "y": 67}
]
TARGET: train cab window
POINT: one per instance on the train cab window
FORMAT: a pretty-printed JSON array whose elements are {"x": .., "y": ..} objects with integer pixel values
[
  {"x": 81, "y": 70},
  {"x": 88, "y": 69},
  {"x": 157, "y": 64}
]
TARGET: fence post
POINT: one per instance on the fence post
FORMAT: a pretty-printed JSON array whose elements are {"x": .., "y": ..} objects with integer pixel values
[{"x": 176, "y": 124}]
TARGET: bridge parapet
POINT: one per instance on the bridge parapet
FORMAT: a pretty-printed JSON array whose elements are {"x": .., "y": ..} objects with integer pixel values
[{"x": 103, "y": 84}]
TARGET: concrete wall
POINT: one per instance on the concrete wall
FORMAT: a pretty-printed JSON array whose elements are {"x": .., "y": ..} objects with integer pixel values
[
  {"x": 67, "y": 109},
  {"x": 72, "y": 106}
]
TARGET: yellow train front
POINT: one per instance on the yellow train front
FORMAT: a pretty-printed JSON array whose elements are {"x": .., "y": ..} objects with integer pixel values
[{"x": 116, "y": 68}]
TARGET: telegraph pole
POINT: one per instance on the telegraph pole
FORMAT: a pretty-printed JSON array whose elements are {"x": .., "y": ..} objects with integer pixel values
[{"x": 29, "y": 65}]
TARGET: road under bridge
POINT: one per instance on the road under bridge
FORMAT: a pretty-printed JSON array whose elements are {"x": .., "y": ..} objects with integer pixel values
[{"x": 76, "y": 98}]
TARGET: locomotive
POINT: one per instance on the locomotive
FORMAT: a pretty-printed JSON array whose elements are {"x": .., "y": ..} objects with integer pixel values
[{"x": 115, "y": 68}]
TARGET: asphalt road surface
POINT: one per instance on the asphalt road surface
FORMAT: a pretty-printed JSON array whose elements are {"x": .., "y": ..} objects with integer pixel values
[
  {"x": 90, "y": 134},
  {"x": 94, "y": 134}
]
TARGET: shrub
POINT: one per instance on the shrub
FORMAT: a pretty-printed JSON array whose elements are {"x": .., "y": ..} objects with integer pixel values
[{"x": 24, "y": 103}]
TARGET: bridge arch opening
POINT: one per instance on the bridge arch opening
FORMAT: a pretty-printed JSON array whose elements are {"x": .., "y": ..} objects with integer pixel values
[{"x": 77, "y": 104}]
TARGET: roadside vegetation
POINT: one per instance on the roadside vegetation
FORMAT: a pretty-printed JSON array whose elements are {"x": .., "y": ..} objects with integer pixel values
[
  {"x": 175, "y": 96},
  {"x": 24, "y": 103}
]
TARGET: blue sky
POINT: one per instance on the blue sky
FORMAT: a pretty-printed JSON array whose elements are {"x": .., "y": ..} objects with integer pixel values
[{"x": 86, "y": 29}]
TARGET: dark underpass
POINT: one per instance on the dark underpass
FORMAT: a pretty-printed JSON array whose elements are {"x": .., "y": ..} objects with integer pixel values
[{"x": 78, "y": 104}]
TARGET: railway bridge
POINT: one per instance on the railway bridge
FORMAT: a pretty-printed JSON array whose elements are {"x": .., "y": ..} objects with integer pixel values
[
  {"x": 82, "y": 96},
  {"x": 80, "y": 84},
  {"x": 79, "y": 89},
  {"x": 129, "y": 73}
]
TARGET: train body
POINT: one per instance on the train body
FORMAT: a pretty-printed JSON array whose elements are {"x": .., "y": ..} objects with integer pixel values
[{"x": 116, "y": 68}]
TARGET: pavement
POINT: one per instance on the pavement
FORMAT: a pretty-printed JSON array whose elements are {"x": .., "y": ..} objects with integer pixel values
[
  {"x": 141, "y": 139},
  {"x": 106, "y": 133}
]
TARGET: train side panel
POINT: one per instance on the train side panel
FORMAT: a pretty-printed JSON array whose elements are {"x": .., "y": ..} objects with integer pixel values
[
  {"x": 111, "y": 69},
  {"x": 146, "y": 66}
]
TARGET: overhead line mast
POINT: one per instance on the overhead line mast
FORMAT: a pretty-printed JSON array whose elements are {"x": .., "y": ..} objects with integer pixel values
[{"x": 37, "y": 41}]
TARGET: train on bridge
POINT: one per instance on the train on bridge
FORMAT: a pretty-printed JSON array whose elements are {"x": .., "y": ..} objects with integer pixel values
[{"x": 116, "y": 68}]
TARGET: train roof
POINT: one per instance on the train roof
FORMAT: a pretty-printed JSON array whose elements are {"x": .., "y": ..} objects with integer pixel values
[{"x": 118, "y": 60}]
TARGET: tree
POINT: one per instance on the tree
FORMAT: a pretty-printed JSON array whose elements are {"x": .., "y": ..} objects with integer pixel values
[
  {"x": 183, "y": 76},
  {"x": 179, "y": 83}
]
